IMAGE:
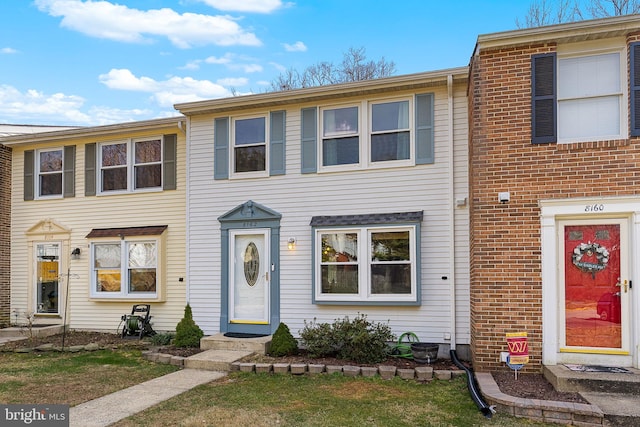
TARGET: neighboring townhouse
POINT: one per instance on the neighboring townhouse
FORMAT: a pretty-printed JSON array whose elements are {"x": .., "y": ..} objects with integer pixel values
[
  {"x": 98, "y": 224},
  {"x": 5, "y": 234},
  {"x": 555, "y": 193},
  {"x": 319, "y": 203}
]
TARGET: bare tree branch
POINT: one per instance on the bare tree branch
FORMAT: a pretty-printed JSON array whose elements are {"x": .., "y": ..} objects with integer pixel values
[
  {"x": 354, "y": 67},
  {"x": 544, "y": 12}
]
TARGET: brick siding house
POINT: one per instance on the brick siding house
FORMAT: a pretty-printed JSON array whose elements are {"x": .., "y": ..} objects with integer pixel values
[{"x": 554, "y": 192}]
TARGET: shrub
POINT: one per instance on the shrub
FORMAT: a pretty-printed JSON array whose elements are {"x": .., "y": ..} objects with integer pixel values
[
  {"x": 188, "y": 334},
  {"x": 282, "y": 342},
  {"x": 318, "y": 339},
  {"x": 161, "y": 339},
  {"x": 358, "y": 340}
]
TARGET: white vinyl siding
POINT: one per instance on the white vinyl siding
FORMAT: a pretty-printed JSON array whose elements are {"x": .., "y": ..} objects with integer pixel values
[
  {"x": 82, "y": 214},
  {"x": 299, "y": 197}
]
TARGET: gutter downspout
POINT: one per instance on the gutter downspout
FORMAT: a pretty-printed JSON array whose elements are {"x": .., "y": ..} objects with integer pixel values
[
  {"x": 452, "y": 207},
  {"x": 186, "y": 129}
]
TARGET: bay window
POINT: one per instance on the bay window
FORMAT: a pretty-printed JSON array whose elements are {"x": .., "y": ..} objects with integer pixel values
[
  {"x": 127, "y": 262},
  {"x": 366, "y": 263}
]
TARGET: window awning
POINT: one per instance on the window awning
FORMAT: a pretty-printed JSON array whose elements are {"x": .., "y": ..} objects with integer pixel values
[
  {"x": 152, "y": 230},
  {"x": 367, "y": 219}
]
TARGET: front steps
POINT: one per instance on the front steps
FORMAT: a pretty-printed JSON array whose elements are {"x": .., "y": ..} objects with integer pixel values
[
  {"x": 220, "y": 352},
  {"x": 616, "y": 394}
]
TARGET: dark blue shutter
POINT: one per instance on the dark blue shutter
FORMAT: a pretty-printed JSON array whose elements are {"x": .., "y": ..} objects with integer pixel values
[
  {"x": 634, "y": 82},
  {"x": 424, "y": 129},
  {"x": 169, "y": 162},
  {"x": 90, "y": 169},
  {"x": 277, "y": 162},
  {"x": 543, "y": 99},
  {"x": 309, "y": 143},
  {"x": 29, "y": 183},
  {"x": 221, "y": 148},
  {"x": 69, "y": 171}
]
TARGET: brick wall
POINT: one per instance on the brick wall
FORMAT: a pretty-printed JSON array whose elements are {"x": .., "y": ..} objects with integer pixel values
[
  {"x": 5, "y": 238},
  {"x": 506, "y": 288}
]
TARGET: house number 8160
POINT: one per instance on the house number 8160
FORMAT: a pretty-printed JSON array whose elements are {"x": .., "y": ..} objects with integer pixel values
[{"x": 594, "y": 208}]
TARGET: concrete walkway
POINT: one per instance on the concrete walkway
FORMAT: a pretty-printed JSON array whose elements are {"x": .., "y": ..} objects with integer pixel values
[{"x": 113, "y": 407}]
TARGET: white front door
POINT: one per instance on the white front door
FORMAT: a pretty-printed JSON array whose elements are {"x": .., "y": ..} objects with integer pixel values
[{"x": 249, "y": 274}]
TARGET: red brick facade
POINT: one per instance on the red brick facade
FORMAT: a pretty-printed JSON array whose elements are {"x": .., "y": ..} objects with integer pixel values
[
  {"x": 5, "y": 238},
  {"x": 506, "y": 281}
]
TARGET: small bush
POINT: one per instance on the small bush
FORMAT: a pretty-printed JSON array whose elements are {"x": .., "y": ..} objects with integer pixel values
[
  {"x": 161, "y": 339},
  {"x": 282, "y": 342},
  {"x": 188, "y": 334},
  {"x": 357, "y": 340},
  {"x": 318, "y": 339}
]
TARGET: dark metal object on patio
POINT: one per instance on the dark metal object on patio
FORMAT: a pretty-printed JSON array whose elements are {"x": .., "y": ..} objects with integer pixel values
[{"x": 138, "y": 323}]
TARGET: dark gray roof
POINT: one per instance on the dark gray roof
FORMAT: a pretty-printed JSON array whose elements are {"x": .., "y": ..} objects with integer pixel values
[
  {"x": 153, "y": 230},
  {"x": 367, "y": 219}
]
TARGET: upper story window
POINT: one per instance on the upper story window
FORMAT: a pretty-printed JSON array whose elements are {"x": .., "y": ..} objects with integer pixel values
[
  {"x": 580, "y": 93},
  {"x": 376, "y": 133},
  {"x": 590, "y": 97},
  {"x": 390, "y": 131},
  {"x": 49, "y": 173},
  {"x": 249, "y": 145},
  {"x": 50, "y": 167},
  {"x": 340, "y": 136},
  {"x": 130, "y": 165}
]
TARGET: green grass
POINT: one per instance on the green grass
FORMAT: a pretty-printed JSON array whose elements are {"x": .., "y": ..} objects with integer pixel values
[
  {"x": 321, "y": 400},
  {"x": 72, "y": 378}
]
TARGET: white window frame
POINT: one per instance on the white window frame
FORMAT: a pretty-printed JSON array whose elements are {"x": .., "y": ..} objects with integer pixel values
[
  {"x": 232, "y": 146},
  {"x": 124, "y": 293},
  {"x": 365, "y": 131},
  {"x": 584, "y": 50},
  {"x": 38, "y": 194},
  {"x": 130, "y": 166},
  {"x": 364, "y": 263}
]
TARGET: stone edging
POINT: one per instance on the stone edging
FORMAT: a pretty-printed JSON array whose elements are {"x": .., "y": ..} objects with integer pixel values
[
  {"x": 420, "y": 373},
  {"x": 568, "y": 413},
  {"x": 51, "y": 347}
]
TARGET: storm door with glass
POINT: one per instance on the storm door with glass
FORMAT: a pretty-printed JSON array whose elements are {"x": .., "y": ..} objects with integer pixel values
[
  {"x": 596, "y": 287},
  {"x": 47, "y": 280},
  {"x": 249, "y": 272}
]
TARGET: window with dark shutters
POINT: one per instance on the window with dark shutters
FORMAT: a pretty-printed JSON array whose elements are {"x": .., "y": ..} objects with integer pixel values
[
  {"x": 543, "y": 98},
  {"x": 635, "y": 89}
]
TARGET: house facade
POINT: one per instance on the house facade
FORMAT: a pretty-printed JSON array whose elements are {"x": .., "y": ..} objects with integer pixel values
[
  {"x": 5, "y": 233},
  {"x": 554, "y": 193},
  {"x": 316, "y": 204},
  {"x": 98, "y": 224}
]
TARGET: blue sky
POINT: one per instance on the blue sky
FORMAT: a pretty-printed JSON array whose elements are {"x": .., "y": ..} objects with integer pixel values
[{"x": 91, "y": 62}]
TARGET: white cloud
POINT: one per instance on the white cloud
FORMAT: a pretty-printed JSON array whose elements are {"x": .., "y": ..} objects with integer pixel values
[
  {"x": 296, "y": 47},
  {"x": 281, "y": 68},
  {"x": 233, "y": 81},
  {"x": 230, "y": 60},
  {"x": 35, "y": 107},
  {"x": 256, "y": 6},
  {"x": 8, "y": 50},
  {"x": 106, "y": 20},
  {"x": 166, "y": 92}
]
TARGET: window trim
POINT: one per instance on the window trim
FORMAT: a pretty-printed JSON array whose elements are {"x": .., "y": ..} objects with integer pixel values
[
  {"x": 38, "y": 174},
  {"x": 582, "y": 50},
  {"x": 365, "y": 126},
  {"x": 124, "y": 294},
  {"x": 232, "y": 147},
  {"x": 130, "y": 165},
  {"x": 364, "y": 295}
]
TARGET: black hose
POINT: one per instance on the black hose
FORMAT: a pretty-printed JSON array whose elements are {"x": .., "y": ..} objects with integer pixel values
[{"x": 486, "y": 410}]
